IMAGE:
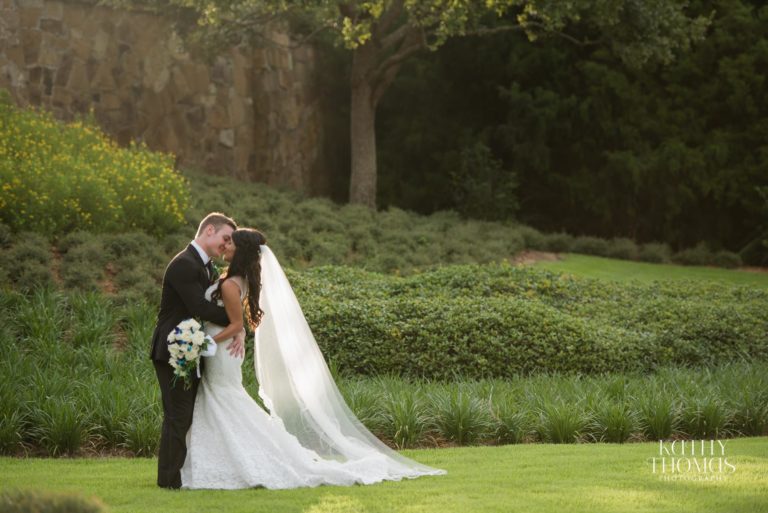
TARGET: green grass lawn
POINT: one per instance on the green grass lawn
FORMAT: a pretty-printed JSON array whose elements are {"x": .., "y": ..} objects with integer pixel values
[
  {"x": 625, "y": 270},
  {"x": 531, "y": 478}
]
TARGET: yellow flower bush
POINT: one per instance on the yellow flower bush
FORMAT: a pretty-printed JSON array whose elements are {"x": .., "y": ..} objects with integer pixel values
[{"x": 60, "y": 177}]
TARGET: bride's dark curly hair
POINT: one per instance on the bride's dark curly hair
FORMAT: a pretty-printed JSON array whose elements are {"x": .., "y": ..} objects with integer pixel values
[{"x": 246, "y": 263}]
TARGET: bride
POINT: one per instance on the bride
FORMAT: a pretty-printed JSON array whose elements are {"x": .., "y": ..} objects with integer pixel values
[{"x": 309, "y": 437}]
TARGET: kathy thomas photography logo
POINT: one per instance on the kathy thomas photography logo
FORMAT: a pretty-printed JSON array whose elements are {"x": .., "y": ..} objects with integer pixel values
[{"x": 692, "y": 460}]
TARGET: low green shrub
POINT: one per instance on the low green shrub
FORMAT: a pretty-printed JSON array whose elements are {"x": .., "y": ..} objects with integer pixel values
[
  {"x": 659, "y": 415},
  {"x": 83, "y": 261},
  {"x": 459, "y": 417},
  {"x": 624, "y": 249},
  {"x": 29, "y": 501},
  {"x": 562, "y": 422},
  {"x": 590, "y": 246},
  {"x": 750, "y": 412},
  {"x": 558, "y": 242},
  {"x": 705, "y": 417},
  {"x": 614, "y": 422},
  {"x": 532, "y": 238},
  {"x": 27, "y": 263},
  {"x": 141, "y": 431},
  {"x": 59, "y": 425},
  {"x": 512, "y": 425},
  {"x": 727, "y": 259},
  {"x": 405, "y": 419},
  {"x": 698, "y": 255},
  {"x": 6, "y": 237},
  {"x": 655, "y": 253}
]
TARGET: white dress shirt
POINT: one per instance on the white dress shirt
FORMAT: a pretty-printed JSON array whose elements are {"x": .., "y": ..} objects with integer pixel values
[{"x": 202, "y": 252}]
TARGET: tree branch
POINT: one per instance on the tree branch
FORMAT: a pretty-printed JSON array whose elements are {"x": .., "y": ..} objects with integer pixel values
[
  {"x": 389, "y": 17},
  {"x": 484, "y": 31},
  {"x": 412, "y": 42},
  {"x": 395, "y": 37},
  {"x": 387, "y": 71},
  {"x": 304, "y": 40}
]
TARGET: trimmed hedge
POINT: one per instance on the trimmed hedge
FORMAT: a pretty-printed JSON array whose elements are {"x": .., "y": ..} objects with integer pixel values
[{"x": 502, "y": 320}]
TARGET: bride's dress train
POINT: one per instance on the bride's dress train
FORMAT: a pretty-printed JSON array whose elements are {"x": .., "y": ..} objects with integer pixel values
[{"x": 310, "y": 437}]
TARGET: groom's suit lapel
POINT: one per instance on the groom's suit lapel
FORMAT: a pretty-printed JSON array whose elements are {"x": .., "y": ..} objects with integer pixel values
[{"x": 195, "y": 255}]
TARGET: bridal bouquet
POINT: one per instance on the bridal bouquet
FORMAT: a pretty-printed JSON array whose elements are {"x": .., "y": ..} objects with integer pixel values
[{"x": 187, "y": 343}]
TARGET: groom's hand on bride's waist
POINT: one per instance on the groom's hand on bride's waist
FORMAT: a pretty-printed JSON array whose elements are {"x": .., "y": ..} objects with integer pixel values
[{"x": 237, "y": 347}]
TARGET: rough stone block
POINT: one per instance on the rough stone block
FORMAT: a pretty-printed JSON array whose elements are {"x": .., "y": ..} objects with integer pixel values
[
  {"x": 103, "y": 79},
  {"x": 30, "y": 40},
  {"x": 49, "y": 54},
  {"x": 53, "y": 10},
  {"x": 259, "y": 58},
  {"x": 125, "y": 33},
  {"x": 194, "y": 75},
  {"x": 61, "y": 98},
  {"x": 241, "y": 79},
  {"x": 291, "y": 113},
  {"x": 51, "y": 26},
  {"x": 30, "y": 18},
  {"x": 285, "y": 60},
  {"x": 100, "y": 42},
  {"x": 238, "y": 111},
  {"x": 80, "y": 47},
  {"x": 48, "y": 81},
  {"x": 227, "y": 137},
  {"x": 62, "y": 73},
  {"x": 195, "y": 116},
  {"x": 218, "y": 117},
  {"x": 78, "y": 77},
  {"x": 10, "y": 75},
  {"x": 15, "y": 54},
  {"x": 74, "y": 17},
  {"x": 30, "y": 4},
  {"x": 110, "y": 101},
  {"x": 180, "y": 85}
]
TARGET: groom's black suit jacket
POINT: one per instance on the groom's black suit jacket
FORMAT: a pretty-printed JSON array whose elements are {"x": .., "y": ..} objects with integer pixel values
[{"x": 184, "y": 285}]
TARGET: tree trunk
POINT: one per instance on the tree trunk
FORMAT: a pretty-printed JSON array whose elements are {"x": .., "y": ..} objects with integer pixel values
[{"x": 362, "y": 183}]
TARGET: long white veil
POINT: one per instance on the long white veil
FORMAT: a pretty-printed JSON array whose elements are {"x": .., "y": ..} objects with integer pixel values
[{"x": 297, "y": 387}]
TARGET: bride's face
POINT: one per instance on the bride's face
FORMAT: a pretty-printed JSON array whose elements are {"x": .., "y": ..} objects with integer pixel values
[{"x": 229, "y": 250}]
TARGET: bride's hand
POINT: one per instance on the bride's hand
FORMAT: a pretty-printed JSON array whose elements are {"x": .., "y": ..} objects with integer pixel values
[{"x": 236, "y": 348}]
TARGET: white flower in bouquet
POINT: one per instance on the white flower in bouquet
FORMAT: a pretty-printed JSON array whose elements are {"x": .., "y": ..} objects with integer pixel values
[{"x": 188, "y": 325}]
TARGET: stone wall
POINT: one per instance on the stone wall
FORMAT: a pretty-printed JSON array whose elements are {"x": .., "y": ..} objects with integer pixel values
[{"x": 250, "y": 113}]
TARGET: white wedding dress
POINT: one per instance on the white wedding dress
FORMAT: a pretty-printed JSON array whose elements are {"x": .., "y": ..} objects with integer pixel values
[{"x": 234, "y": 443}]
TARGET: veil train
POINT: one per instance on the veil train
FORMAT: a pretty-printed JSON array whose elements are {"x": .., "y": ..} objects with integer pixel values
[{"x": 296, "y": 385}]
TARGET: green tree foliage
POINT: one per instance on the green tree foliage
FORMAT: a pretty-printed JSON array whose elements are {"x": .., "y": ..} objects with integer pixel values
[{"x": 599, "y": 147}]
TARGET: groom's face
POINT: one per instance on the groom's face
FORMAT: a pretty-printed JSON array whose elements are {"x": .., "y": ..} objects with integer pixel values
[{"x": 219, "y": 239}]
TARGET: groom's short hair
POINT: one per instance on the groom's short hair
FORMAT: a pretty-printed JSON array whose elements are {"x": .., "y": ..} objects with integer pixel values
[{"x": 217, "y": 219}]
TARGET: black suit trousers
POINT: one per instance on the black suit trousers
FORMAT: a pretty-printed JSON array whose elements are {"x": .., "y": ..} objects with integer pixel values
[{"x": 178, "y": 407}]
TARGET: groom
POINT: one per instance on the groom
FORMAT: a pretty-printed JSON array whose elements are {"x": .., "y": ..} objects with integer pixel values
[{"x": 186, "y": 278}]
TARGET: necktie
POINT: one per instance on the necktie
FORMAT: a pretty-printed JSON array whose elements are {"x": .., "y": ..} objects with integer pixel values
[{"x": 209, "y": 268}]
